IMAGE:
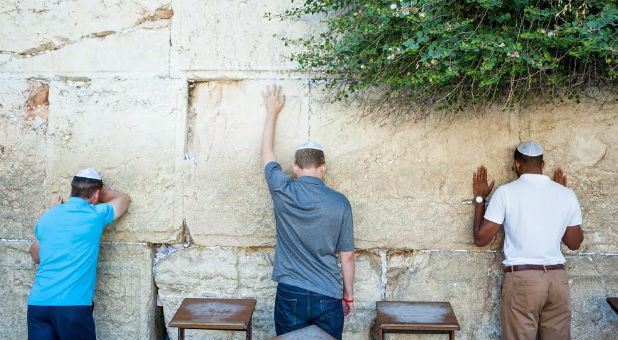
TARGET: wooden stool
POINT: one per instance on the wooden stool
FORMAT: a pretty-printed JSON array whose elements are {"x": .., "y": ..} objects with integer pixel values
[
  {"x": 217, "y": 314},
  {"x": 613, "y": 301},
  {"x": 312, "y": 332},
  {"x": 416, "y": 317}
]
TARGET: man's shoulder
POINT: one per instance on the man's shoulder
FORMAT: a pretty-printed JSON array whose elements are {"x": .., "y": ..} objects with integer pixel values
[{"x": 337, "y": 195}]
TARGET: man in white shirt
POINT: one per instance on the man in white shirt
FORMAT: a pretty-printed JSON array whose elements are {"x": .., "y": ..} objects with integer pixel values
[{"x": 537, "y": 213}]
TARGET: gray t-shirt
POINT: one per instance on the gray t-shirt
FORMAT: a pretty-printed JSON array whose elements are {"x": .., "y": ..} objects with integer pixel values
[{"x": 313, "y": 221}]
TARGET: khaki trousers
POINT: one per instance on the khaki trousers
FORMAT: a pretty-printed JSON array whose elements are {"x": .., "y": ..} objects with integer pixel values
[{"x": 535, "y": 303}]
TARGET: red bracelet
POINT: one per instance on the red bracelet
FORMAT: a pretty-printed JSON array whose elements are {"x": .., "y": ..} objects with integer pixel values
[{"x": 348, "y": 301}]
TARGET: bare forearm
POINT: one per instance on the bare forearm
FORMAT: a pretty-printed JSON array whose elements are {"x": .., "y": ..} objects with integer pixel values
[
  {"x": 479, "y": 212},
  {"x": 107, "y": 195},
  {"x": 268, "y": 139},
  {"x": 573, "y": 237},
  {"x": 34, "y": 252},
  {"x": 118, "y": 200},
  {"x": 347, "y": 269}
]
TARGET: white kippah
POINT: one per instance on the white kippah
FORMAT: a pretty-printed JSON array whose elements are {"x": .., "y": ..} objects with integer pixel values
[
  {"x": 88, "y": 173},
  {"x": 530, "y": 149},
  {"x": 310, "y": 145}
]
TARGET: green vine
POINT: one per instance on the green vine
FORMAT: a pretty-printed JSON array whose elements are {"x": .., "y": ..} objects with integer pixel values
[{"x": 452, "y": 54}]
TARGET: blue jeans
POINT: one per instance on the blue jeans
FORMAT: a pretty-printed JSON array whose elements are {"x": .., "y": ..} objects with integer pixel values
[
  {"x": 296, "y": 308},
  {"x": 60, "y": 323}
]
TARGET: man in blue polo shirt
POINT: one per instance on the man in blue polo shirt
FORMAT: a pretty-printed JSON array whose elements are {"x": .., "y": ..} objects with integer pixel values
[
  {"x": 314, "y": 222},
  {"x": 66, "y": 249}
]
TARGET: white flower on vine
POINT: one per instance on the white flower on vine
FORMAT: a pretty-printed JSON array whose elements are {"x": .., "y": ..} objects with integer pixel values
[
  {"x": 422, "y": 15},
  {"x": 513, "y": 54},
  {"x": 501, "y": 45},
  {"x": 393, "y": 6}
]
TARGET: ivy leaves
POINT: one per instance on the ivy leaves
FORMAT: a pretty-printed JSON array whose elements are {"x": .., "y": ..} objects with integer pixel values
[{"x": 455, "y": 53}]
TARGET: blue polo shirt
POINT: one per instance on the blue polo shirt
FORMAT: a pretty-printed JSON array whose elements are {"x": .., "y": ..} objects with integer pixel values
[{"x": 69, "y": 237}]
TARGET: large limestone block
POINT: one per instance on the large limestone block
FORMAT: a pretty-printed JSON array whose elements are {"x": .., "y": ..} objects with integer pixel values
[
  {"x": 41, "y": 38},
  {"x": 226, "y": 201},
  {"x": 127, "y": 131},
  {"x": 367, "y": 290},
  {"x": 125, "y": 295},
  {"x": 233, "y": 35},
  {"x": 592, "y": 279},
  {"x": 407, "y": 181},
  {"x": 17, "y": 272},
  {"x": 125, "y": 298},
  {"x": 582, "y": 139},
  {"x": 468, "y": 280},
  {"x": 137, "y": 51},
  {"x": 245, "y": 273},
  {"x": 23, "y": 124},
  {"x": 222, "y": 273}
]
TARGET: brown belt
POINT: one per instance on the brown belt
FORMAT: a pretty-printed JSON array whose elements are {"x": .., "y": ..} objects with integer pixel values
[{"x": 532, "y": 267}]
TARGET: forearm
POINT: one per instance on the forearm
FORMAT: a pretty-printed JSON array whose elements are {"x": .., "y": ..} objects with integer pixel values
[
  {"x": 268, "y": 139},
  {"x": 107, "y": 195},
  {"x": 120, "y": 201},
  {"x": 573, "y": 237},
  {"x": 34, "y": 252},
  {"x": 479, "y": 212},
  {"x": 347, "y": 269}
]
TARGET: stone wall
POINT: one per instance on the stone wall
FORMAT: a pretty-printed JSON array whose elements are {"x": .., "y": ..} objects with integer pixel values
[{"x": 163, "y": 98}]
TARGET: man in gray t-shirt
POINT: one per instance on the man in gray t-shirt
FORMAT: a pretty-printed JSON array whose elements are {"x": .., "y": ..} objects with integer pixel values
[{"x": 313, "y": 223}]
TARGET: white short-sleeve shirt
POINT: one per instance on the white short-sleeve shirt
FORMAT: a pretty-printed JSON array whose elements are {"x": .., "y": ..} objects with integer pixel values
[{"x": 535, "y": 212}]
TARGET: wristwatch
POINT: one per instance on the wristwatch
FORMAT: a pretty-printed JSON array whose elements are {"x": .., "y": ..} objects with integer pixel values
[{"x": 479, "y": 199}]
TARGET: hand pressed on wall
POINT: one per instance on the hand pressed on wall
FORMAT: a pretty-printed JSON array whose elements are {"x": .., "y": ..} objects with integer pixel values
[
  {"x": 480, "y": 187},
  {"x": 274, "y": 100},
  {"x": 57, "y": 200},
  {"x": 560, "y": 177}
]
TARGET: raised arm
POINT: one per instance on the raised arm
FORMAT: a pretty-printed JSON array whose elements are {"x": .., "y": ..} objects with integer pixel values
[
  {"x": 118, "y": 200},
  {"x": 274, "y": 102},
  {"x": 574, "y": 235},
  {"x": 482, "y": 229},
  {"x": 347, "y": 270}
]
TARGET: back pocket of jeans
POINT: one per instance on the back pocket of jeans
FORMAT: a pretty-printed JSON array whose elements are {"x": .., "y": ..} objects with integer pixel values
[
  {"x": 331, "y": 308},
  {"x": 285, "y": 310}
]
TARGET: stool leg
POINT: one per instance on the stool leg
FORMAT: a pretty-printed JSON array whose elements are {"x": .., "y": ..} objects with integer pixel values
[
  {"x": 451, "y": 335},
  {"x": 181, "y": 333},
  {"x": 249, "y": 329}
]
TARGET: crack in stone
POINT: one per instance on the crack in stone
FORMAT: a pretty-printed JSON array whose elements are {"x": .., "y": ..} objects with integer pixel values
[{"x": 50, "y": 46}]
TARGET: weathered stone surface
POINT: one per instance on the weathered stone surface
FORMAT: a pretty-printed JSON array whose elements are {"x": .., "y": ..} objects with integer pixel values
[
  {"x": 125, "y": 294},
  {"x": 210, "y": 42},
  {"x": 592, "y": 279},
  {"x": 411, "y": 178},
  {"x": 226, "y": 201},
  {"x": 468, "y": 280},
  {"x": 142, "y": 50},
  {"x": 23, "y": 124},
  {"x": 218, "y": 272},
  {"x": 582, "y": 139},
  {"x": 245, "y": 273},
  {"x": 84, "y": 36},
  {"x": 17, "y": 272},
  {"x": 127, "y": 131},
  {"x": 125, "y": 298}
]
